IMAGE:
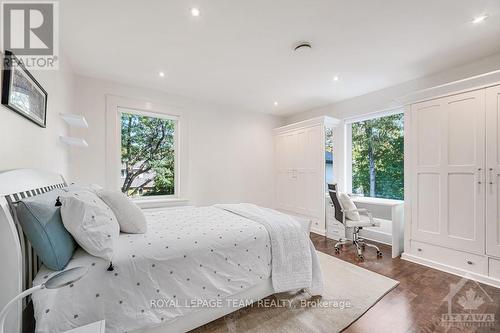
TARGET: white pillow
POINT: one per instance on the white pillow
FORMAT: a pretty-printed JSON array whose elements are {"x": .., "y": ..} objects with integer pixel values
[
  {"x": 129, "y": 215},
  {"x": 91, "y": 223},
  {"x": 348, "y": 204}
]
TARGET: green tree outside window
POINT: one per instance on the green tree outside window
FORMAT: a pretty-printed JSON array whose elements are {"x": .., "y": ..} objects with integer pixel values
[
  {"x": 147, "y": 155},
  {"x": 378, "y": 157}
]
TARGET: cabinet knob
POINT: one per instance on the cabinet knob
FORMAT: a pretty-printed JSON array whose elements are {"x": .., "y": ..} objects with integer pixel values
[
  {"x": 419, "y": 250},
  {"x": 470, "y": 262}
]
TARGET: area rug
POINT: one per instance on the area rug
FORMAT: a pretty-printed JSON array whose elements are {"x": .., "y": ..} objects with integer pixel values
[{"x": 349, "y": 292}]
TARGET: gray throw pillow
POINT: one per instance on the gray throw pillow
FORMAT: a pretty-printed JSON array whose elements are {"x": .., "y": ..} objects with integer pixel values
[
  {"x": 42, "y": 224},
  {"x": 129, "y": 215}
]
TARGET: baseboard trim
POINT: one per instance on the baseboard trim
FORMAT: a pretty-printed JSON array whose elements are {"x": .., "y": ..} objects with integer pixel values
[
  {"x": 452, "y": 270},
  {"x": 370, "y": 236},
  {"x": 318, "y": 231},
  {"x": 376, "y": 236},
  {"x": 321, "y": 232}
]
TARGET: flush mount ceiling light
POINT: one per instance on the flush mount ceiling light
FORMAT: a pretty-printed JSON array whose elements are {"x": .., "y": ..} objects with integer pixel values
[
  {"x": 275, "y": 103},
  {"x": 336, "y": 78},
  {"x": 195, "y": 12},
  {"x": 161, "y": 74},
  {"x": 480, "y": 19},
  {"x": 302, "y": 46}
]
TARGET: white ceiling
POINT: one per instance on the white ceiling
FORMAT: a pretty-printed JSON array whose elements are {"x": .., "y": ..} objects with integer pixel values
[{"x": 239, "y": 52}]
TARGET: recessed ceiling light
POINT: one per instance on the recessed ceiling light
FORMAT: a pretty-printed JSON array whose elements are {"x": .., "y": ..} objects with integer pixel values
[
  {"x": 275, "y": 103},
  {"x": 195, "y": 12},
  {"x": 480, "y": 19},
  {"x": 161, "y": 74},
  {"x": 336, "y": 78}
]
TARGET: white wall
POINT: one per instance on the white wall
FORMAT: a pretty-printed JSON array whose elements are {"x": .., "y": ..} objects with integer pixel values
[
  {"x": 230, "y": 153},
  {"x": 397, "y": 96},
  {"x": 26, "y": 145},
  {"x": 23, "y": 144}
]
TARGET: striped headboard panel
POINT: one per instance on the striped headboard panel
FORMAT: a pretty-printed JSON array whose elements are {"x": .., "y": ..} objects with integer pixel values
[{"x": 31, "y": 263}]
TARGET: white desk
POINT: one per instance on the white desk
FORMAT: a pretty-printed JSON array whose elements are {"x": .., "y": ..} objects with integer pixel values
[
  {"x": 97, "y": 327},
  {"x": 390, "y": 213}
]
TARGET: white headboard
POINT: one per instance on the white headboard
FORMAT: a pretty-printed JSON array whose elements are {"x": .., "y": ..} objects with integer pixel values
[{"x": 20, "y": 263}]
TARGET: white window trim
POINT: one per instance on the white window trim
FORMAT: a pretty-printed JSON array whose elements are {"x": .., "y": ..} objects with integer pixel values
[
  {"x": 373, "y": 115},
  {"x": 348, "y": 157},
  {"x": 348, "y": 139},
  {"x": 115, "y": 105}
]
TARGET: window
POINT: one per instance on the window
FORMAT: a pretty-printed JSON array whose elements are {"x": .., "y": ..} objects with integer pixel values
[
  {"x": 148, "y": 154},
  {"x": 328, "y": 156},
  {"x": 377, "y": 148}
]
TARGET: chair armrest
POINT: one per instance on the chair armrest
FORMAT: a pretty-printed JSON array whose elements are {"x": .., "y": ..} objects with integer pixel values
[{"x": 362, "y": 210}]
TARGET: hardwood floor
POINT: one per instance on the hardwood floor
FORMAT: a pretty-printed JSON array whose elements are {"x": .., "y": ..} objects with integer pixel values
[{"x": 419, "y": 302}]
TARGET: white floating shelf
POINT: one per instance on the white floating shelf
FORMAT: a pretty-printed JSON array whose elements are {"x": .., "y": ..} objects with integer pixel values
[
  {"x": 75, "y": 120},
  {"x": 77, "y": 142}
]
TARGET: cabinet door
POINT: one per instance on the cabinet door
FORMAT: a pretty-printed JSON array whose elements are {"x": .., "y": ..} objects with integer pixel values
[
  {"x": 448, "y": 171},
  {"x": 309, "y": 172},
  {"x": 285, "y": 165},
  {"x": 426, "y": 147},
  {"x": 300, "y": 172},
  {"x": 308, "y": 161},
  {"x": 316, "y": 174},
  {"x": 281, "y": 171},
  {"x": 493, "y": 171},
  {"x": 465, "y": 163}
]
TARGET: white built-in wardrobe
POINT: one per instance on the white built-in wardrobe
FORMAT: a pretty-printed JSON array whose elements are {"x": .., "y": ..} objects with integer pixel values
[
  {"x": 454, "y": 184},
  {"x": 300, "y": 169}
]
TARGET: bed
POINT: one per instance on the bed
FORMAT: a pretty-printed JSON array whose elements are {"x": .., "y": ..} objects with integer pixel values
[{"x": 195, "y": 264}]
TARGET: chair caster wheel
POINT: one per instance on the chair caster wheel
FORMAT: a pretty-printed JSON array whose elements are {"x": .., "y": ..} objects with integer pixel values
[
  {"x": 337, "y": 250},
  {"x": 361, "y": 257},
  {"x": 379, "y": 254}
]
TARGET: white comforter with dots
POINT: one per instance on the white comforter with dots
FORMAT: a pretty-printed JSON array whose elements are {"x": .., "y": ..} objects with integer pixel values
[
  {"x": 295, "y": 264},
  {"x": 188, "y": 254}
]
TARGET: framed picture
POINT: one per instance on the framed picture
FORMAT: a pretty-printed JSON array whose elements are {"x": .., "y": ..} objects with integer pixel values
[{"x": 21, "y": 92}]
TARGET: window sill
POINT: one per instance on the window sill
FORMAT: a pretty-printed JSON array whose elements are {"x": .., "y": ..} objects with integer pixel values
[
  {"x": 160, "y": 202},
  {"x": 377, "y": 201}
]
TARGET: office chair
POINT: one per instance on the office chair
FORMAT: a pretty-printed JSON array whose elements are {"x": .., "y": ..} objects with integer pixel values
[{"x": 365, "y": 221}]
